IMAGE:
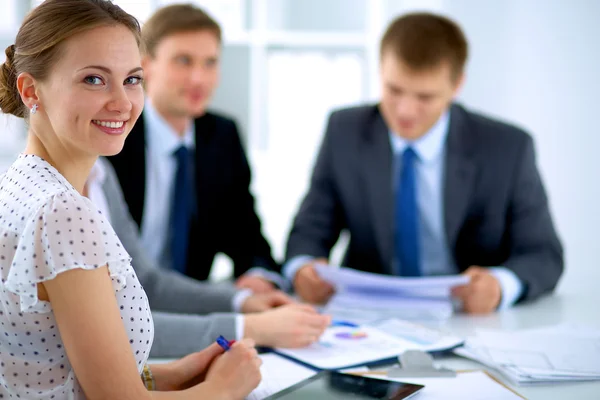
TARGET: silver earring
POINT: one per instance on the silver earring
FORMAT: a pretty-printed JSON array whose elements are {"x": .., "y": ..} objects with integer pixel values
[{"x": 34, "y": 109}]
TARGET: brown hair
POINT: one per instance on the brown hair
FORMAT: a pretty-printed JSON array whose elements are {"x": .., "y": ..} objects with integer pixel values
[
  {"x": 38, "y": 43},
  {"x": 176, "y": 19},
  {"x": 425, "y": 40}
]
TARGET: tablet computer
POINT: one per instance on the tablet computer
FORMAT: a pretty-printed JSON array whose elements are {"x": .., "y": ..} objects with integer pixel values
[{"x": 335, "y": 385}]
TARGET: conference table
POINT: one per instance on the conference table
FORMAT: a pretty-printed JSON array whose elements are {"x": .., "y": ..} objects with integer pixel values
[
  {"x": 570, "y": 308},
  {"x": 579, "y": 309}
]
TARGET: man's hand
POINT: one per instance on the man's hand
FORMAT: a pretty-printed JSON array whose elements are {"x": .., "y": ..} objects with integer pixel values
[
  {"x": 265, "y": 301},
  {"x": 291, "y": 326},
  {"x": 482, "y": 294},
  {"x": 309, "y": 286},
  {"x": 255, "y": 283}
]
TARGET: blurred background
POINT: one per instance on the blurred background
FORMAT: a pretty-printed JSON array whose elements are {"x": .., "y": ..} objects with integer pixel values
[{"x": 287, "y": 63}]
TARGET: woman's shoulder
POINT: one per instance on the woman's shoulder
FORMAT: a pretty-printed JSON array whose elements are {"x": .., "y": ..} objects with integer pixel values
[
  {"x": 48, "y": 228},
  {"x": 31, "y": 178},
  {"x": 32, "y": 189}
]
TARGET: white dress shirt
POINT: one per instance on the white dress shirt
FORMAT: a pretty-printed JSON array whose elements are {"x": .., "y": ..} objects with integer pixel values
[{"x": 161, "y": 166}]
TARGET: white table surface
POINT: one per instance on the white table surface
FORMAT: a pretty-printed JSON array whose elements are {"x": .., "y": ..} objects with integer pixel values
[
  {"x": 581, "y": 309},
  {"x": 578, "y": 309}
]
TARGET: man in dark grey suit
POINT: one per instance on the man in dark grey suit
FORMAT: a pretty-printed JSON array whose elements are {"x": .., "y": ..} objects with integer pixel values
[{"x": 426, "y": 187}]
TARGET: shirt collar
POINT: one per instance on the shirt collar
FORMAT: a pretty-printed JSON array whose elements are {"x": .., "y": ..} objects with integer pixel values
[
  {"x": 429, "y": 146},
  {"x": 161, "y": 137}
]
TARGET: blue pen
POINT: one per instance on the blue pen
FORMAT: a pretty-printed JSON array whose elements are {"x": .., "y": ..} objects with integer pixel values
[
  {"x": 337, "y": 322},
  {"x": 224, "y": 343}
]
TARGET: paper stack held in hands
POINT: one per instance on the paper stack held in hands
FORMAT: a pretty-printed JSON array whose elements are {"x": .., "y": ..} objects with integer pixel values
[
  {"x": 364, "y": 297},
  {"x": 538, "y": 356}
]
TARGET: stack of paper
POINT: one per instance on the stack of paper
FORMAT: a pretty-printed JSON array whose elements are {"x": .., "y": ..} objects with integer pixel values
[
  {"x": 384, "y": 285},
  {"x": 556, "y": 354},
  {"x": 362, "y": 309},
  {"x": 362, "y": 297}
]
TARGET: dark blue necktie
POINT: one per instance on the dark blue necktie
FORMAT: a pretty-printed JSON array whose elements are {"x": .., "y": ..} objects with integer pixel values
[
  {"x": 181, "y": 213},
  {"x": 407, "y": 217}
]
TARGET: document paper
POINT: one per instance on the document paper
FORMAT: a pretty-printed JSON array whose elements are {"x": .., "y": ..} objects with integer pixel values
[
  {"x": 379, "y": 285},
  {"x": 363, "y": 297},
  {"x": 278, "y": 374},
  {"x": 539, "y": 355},
  {"x": 343, "y": 347}
]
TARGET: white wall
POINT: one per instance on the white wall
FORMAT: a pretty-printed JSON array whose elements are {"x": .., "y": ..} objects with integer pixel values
[
  {"x": 11, "y": 135},
  {"x": 536, "y": 62},
  {"x": 12, "y": 129}
]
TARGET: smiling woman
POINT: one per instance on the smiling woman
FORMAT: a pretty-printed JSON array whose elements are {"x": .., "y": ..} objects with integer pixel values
[
  {"x": 39, "y": 45},
  {"x": 75, "y": 320},
  {"x": 91, "y": 99}
]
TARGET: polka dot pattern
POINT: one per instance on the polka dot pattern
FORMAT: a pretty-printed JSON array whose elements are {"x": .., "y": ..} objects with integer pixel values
[{"x": 46, "y": 228}]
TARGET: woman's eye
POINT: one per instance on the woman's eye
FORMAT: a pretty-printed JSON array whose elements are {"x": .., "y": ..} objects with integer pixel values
[
  {"x": 93, "y": 80},
  {"x": 134, "y": 80}
]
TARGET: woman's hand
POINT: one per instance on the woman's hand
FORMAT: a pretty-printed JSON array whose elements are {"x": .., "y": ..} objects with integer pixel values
[
  {"x": 237, "y": 372},
  {"x": 187, "y": 371}
]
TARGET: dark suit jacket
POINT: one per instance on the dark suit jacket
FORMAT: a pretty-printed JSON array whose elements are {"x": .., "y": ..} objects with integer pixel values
[
  {"x": 495, "y": 206},
  {"x": 227, "y": 221}
]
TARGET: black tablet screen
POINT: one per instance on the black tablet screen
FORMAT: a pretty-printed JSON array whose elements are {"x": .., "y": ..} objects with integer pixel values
[{"x": 334, "y": 386}]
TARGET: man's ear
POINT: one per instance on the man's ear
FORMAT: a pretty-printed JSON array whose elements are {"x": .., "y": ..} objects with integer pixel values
[
  {"x": 147, "y": 66},
  {"x": 28, "y": 89},
  {"x": 460, "y": 80}
]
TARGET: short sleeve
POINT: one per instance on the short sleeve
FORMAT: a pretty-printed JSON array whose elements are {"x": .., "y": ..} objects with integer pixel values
[{"x": 67, "y": 232}]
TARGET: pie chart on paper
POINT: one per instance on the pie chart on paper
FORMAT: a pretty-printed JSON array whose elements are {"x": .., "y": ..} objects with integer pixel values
[{"x": 351, "y": 335}]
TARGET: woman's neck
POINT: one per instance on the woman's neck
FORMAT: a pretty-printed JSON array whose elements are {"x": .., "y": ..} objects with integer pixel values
[{"x": 74, "y": 166}]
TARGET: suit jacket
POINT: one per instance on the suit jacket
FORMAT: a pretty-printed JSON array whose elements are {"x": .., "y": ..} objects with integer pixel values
[
  {"x": 226, "y": 221},
  {"x": 175, "y": 300},
  {"x": 495, "y": 207}
]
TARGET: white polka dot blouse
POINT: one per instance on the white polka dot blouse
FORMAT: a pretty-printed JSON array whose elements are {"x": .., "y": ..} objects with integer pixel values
[{"x": 46, "y": 228}]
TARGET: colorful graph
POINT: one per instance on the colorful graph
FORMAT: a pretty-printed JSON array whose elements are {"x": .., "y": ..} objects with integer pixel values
[{"x": 352, "y": 335}]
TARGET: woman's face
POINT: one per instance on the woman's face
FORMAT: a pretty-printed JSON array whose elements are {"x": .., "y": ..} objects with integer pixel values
[{"x": 93, "y": 95}]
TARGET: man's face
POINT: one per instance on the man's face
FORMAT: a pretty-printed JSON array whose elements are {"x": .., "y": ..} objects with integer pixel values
[
  {"x": 413, "y": 100},
  {"x": 184, "y": 72}
]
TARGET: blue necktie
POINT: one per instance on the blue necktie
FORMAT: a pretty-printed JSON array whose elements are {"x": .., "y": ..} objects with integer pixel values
[
  {"x": 407, "y": 217},
  {"x": 181, "y": 214}
]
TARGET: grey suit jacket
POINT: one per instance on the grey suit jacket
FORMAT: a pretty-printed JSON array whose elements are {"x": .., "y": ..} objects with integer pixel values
[
  {"x": 175, "y": 300},
  {"x": 495, "y": 206}
]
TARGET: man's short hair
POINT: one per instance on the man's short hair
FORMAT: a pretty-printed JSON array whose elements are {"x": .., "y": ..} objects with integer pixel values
[
  {"x": 177, "y": 18},
  {"x": 425, "y": 40}
]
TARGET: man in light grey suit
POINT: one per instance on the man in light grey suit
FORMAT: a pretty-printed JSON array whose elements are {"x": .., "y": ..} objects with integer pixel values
[
  {"x": 426, "y": 187},
  {"x": 178, "y": 302}
]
